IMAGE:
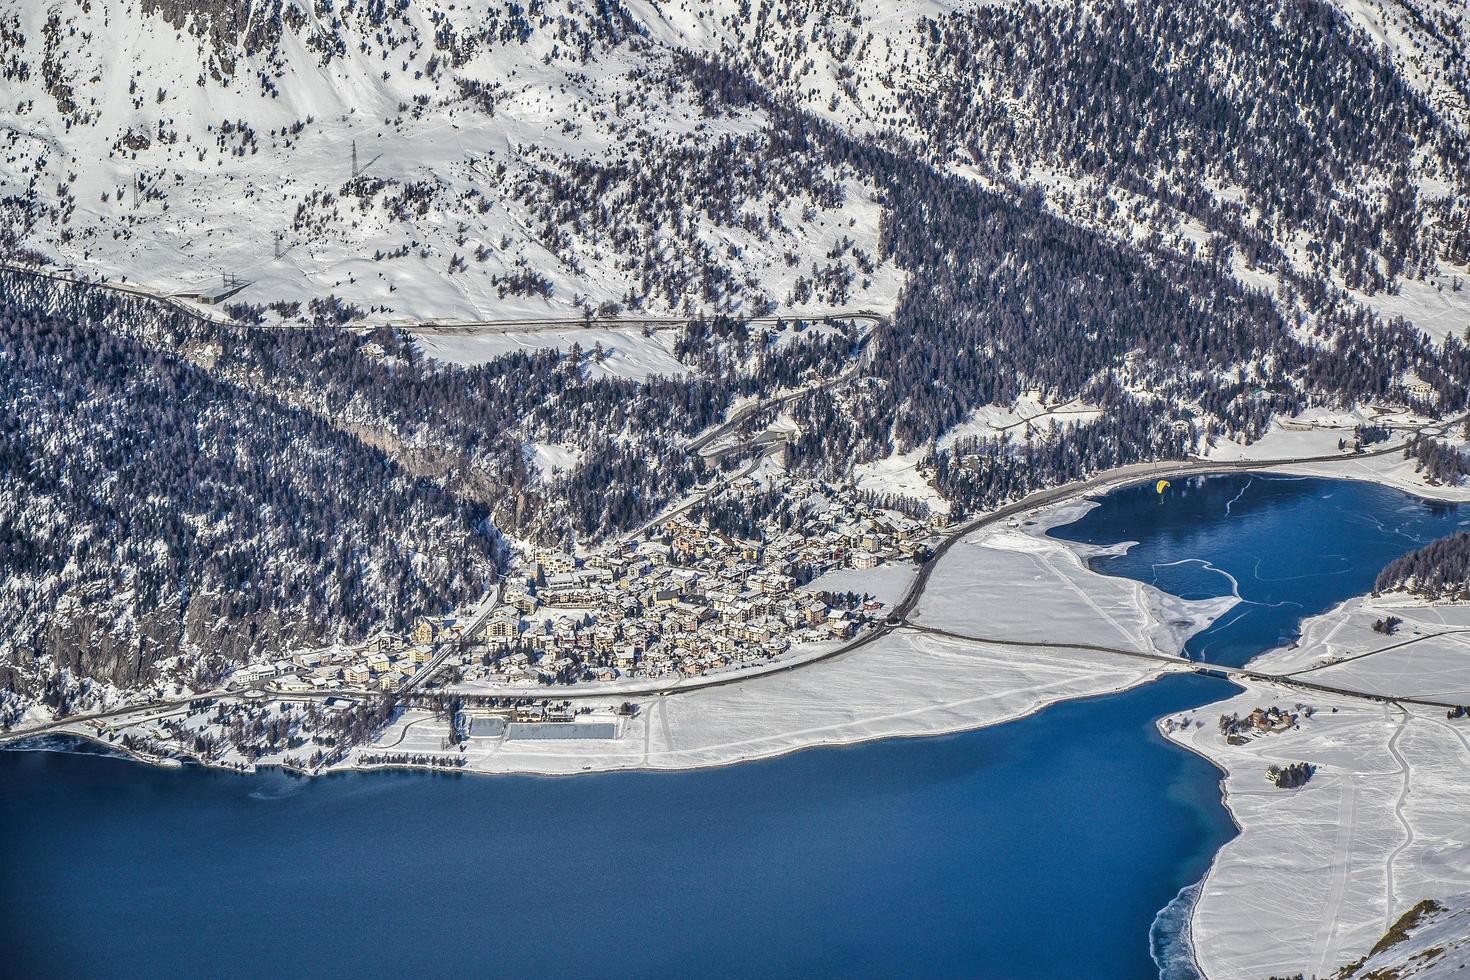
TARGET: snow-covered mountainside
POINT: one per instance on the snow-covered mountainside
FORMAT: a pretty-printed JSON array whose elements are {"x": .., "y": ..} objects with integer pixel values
[
  {"x": 511, "y": 160},
  {"x": 1431, "y": 940},
  {"x": 1151, "y": 226}
]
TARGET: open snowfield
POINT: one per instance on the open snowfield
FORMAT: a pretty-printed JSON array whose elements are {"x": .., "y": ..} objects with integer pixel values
[
  {"x": 1315, "y": 432},
  {"x": 1390, "y": 470},
  {"x": 899, "y": 474},
  {"x": 1031, "y": 412},
  {"x": 987, "y": 586},
  {"x": 626, "y": 353},
  {"x": 902, "y": 685},
  {"x": 1430, "y": 943},
  {"x": 886, "y": 583},
  {"x": 1320, "y": 872},
  {"x": 1427, "y": 656}
]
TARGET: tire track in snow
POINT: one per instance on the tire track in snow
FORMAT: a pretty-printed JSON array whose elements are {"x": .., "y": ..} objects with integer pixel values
[
  {"x": 1390, "y": 899},
  {"x": 1346, "y": 822}
]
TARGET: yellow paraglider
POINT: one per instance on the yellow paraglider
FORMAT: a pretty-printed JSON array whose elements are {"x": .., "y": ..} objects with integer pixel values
[{"x": 1162, "y": 486}]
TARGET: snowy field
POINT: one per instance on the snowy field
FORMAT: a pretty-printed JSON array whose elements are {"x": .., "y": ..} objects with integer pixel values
[
  {"x": 626, "y": 353},
  {"x": 1013, "y": 583},
  {"x": 1316, "y": 433},
  {"x": 886, "y": 583},
  {"x": 1390, "y": 470},
  {"x": 1427, "y": 656},
  {"x": 899, "y": 473},
  {"x": 1320, "y": 872},
  {"x": 902, "y": 685},
  {"x": 1385, "y": 821},
  {"x": 1030, "y": 412}
]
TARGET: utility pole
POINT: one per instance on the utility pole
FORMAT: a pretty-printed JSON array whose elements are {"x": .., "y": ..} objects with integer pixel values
[
  {"x": 357, "y": 171},
  {"x": 279, "y": 251}
]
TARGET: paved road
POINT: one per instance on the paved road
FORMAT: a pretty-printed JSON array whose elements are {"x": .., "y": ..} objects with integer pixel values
[
  {"x": 1368, "y": 653},
  {"x": 127, "y": 288},
  {"x": 760, "y": 441},
  {"x": 740, "y": 415},
  {"x": 432, "y": 327},
  {"x": 467, "y": 328},
  {"x": 900, "y": 612},
  {"x": 693, "y": 501},
  {"x": 145, "y": 712},
  {"x": 1201, "y": 666},
  {"x": 473, "y": 627}
]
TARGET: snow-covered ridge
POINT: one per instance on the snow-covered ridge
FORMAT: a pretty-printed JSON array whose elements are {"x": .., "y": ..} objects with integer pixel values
[
  {"x": 508, "y": 163},
  {"x": 1431, "y": 940},
  {"x": 519, "y": 160}
]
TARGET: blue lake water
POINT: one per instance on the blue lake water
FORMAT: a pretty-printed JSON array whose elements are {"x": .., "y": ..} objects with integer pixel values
[
  {"x": 1041, "y": 848},
  {"x": 1290, "y": 547}
]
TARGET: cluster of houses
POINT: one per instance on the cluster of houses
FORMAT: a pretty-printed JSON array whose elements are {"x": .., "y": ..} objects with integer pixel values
[
  {"x": 688, "y": 599},
  {"x": 383, "y": 664},
  {"x": 1261, "y": 721}
]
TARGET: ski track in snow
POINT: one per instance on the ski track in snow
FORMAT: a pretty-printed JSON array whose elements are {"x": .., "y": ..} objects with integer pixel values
[{"x": 1390, "y": 899}]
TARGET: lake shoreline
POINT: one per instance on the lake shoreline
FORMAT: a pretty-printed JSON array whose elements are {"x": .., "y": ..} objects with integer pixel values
[
  {"x": 1033, "y": 539},
  {"x": 1068, "y": 508}
]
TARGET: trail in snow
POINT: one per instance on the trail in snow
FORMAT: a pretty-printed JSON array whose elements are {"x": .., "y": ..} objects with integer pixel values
[
  {"x": 1390, "y": 902},
  {"x": 1347, "y": 820}
]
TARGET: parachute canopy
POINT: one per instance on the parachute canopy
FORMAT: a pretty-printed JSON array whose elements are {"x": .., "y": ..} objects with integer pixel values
[{"x": 1162, "y": 486}]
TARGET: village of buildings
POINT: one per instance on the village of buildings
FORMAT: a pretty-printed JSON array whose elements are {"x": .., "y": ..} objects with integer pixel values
[
  {"x": 681, "y": 601},
  {"x": 678, "y": 602}
]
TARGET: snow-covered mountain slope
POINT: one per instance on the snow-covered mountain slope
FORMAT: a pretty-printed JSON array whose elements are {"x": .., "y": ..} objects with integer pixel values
[
  {"x": 510, "y": 162},
  {"x": 1323, "y": 140},
  {"x": 1189, "y": 218},
  {"x": 517, "y": 160},
  {"x": 1430, "y": 941},
  {"x": 1429, "y": 41}
]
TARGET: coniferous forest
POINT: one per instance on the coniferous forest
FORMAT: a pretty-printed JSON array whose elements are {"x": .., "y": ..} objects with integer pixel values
[{"x": 1193, "y": 218}]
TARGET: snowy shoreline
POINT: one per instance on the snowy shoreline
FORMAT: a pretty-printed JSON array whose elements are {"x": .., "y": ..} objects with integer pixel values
[
  {"x": 1321, "y": 869},
  {"x": 912, "y": 685},
  {"x": 1312, "y": 867},
  {"x": 905, "y": 684},
  {"x": 832, "y": 704}
]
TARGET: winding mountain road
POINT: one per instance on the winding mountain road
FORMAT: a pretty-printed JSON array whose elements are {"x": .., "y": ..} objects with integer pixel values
[{"x": 1391, "y": 901}]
